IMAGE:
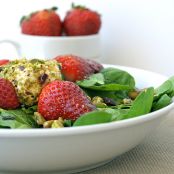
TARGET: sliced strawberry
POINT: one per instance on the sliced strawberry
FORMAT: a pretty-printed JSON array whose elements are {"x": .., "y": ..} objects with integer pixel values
[
  {"x": 76, "y": 68},
  {"x": 8, "y": 96},
  {"x": 63, "y": 99}
]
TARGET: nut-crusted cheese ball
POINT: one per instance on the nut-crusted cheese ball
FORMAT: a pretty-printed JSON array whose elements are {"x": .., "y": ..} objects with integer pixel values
[{"x": 29, "y": 77}]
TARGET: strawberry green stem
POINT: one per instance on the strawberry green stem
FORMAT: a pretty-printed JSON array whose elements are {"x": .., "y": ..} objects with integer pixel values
[
  {"x": 54, "y": 8},
  {"x": 73, "y": 6}
]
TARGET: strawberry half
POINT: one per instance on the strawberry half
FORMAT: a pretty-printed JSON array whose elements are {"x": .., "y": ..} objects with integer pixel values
[
  {"x": 8, "y": 96},
  {"x": 76, "y": 68},
  {"x": 63, "y": 99}
]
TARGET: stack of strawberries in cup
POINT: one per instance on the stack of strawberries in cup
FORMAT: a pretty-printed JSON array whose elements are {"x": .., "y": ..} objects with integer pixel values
[{"x": 77, "y": 22}]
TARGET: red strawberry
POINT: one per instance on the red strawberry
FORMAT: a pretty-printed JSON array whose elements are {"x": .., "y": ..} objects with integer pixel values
[
  {"x": 4, "y": 62},
  {"x": 44, "y": 23},
  {"x": 63, "y": 99},
  {"x": 8, "y": 96},
  {"x": 76, "y": 68},
  {"x": 81, "y": 21}
]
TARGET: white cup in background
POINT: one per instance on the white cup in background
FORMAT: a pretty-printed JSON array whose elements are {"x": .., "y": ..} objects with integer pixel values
[{"x": 48, "y": 47}]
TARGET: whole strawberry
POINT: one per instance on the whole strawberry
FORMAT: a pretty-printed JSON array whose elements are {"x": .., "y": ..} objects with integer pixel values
[
  {"x": 44, "y": 23},
  {"x": 63, "y": 99},
  {"x": 8, "y": 96},
  {"x": 4, "y": 62},
  {"x": 81, "y": 21},
  {"x": 76, "y": 68}
]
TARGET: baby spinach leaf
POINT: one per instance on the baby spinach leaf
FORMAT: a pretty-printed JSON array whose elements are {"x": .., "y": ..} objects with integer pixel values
[
  {"x": 171, "y": 79},
  {"x": 165, "y": 88},
  {"x": 163, "y": 101},
  {"x": 16, "y": 119},
  {"x": 7, "y": 124},
  {"x": 109, "y": 87},
  {"x": 89, "y": 84},
  {"x": 95, "y": 79},
  {"x": 92, "y": 93},
  {"x": 102, "y": 115},
  {"x": 30, "y": 110},
  {"x": 115, "y": 112},
  {"x": 141, "y": 105},
  {"x": 110, "y": 79},
  {"x": 68, "y": 123},
  {"x": 117, "y": 96},
  {"x": 118, "y": 76},
  {"x": 95, "y": 117}
]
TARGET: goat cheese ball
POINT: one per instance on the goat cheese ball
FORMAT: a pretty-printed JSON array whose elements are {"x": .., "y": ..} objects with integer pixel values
[{"x": 30, "y": 76}]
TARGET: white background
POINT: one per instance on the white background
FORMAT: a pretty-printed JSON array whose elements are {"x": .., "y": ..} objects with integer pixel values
[{"x": 138, "y": 33}]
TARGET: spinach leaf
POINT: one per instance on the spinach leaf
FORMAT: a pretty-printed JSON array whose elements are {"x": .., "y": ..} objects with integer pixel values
[
  {"x": 102, "y": 115},
  {"x": 95, "y": 79},
  {"x": 110, "y": 79},
  {"x": 30, "y": 110},
  {"x": 115, "y": 112},
  {"x": 16, "y": 119},
  {"x": 171, "y": 79},
  {"x": 165, "y": 88},
  {"x": 117, "y": 96},
  {"x": 108, "y": 87},
  {"x": 95, "y": 117},
  {"x": 97, "y": 85},
  {"x": 110, "y": 94},
  {"x": 8, "y": 124},
  {"x": 141, "y": 105},
  {"x": 163, "y": 101},
  {"x": 68, "y": 123},
  {"x": 117, "y": 76}
]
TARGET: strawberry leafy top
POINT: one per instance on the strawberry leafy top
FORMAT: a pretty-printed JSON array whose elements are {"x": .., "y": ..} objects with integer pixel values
[
  {"x": 73, "y": 6},
  {"x": 27, "y": 17}
]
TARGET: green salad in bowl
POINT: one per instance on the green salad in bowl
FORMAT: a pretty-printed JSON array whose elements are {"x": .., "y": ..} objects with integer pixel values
[{"x": 69, "y": 91}]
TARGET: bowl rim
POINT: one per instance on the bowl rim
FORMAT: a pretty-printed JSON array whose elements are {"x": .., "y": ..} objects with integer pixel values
[{"x": 36, "y": 132}]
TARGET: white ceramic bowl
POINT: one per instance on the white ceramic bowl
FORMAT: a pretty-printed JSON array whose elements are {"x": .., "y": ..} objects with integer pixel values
[
  {"x": 48, "y": 47},
  {"x": 75, "y": 149}
]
